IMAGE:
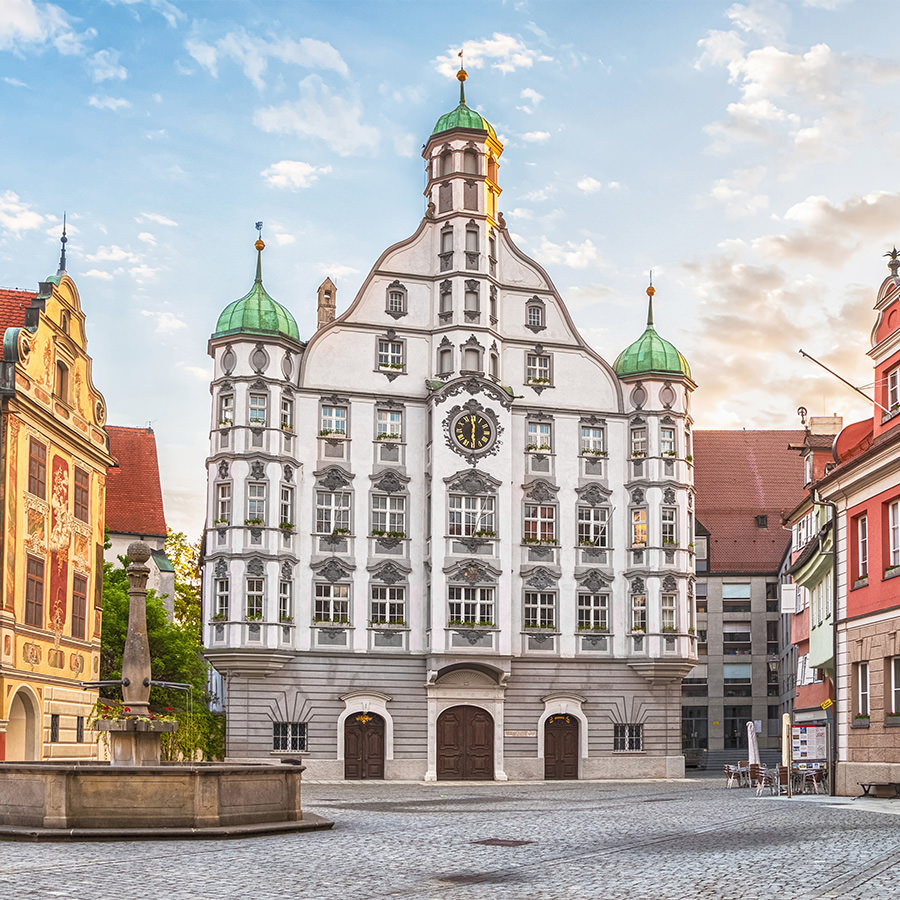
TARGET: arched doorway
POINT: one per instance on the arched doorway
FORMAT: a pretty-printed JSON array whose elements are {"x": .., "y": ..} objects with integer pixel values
[
  {"x": 561, "y": 747},
  {"x": 22, "y": 730},
  {"x": 465, "y": 744},
  {"x": 363, "y": 746}
]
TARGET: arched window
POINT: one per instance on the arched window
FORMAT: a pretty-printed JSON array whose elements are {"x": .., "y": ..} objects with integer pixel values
[
  {"x": 62, "y": 382},
  {"x": 445, "y": 361},
  {"x": 492, "y": 169},
  {"x": 495, "y": 365},
  {"x": 446, "y": 166},
  {"x": 470, "y": 162},
  {"x": 471, "y": 238},
  {"x": 64, "y": 322},
  {"x": 471, "y": 359}
]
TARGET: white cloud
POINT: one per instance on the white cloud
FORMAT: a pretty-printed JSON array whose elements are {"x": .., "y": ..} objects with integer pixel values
[
  {"x": 501, "y": 51},
  {"x": 143, "y": 272},
  {"x": 576, "y": 256},
  {"x": 252, "y": 54},
  {"x": 533, "y": 96},
  {"x": 199, "y": 373},
  {"x": 589, "y": 185},
  {"x": 17, "y": 216},
  {"x": 337, "y": 271},
  {"x": 536, "y": 137},
  {"x": 320, "y": 113},
  {"x": 105, "y": 65},
  {"x": 25, "y": 24},
  {"x": 739, "y": 194},
  {"x": 147, "y": 238},
  {"x": 113, "y": 253},
  {"x": 14, "y": 82},
  {"x": 293, "y": 174},
  {"x": 540, "y": 194},
  {"x": 282, "y": 239},
  {"x": 171, "y": 13},
  {"x": 405, "y": 144},
  {"x": 111, "y": 103},
  {"x": 767, "y": 19},
  {"x": 155, "y": 217},
  {"x": 98, "y": 273},
  {"x": 165, "y": 322},
  {"x": 520, "y": 213},
  {"x": 719, "y": 49}
]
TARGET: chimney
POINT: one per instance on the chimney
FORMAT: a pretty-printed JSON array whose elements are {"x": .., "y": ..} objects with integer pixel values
[
  {"x": 326, "y": 302},
  {"x": 825, "y": 424}
]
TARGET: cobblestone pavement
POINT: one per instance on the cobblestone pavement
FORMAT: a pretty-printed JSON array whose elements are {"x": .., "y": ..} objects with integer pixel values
[{"x": 599, "y": 840}]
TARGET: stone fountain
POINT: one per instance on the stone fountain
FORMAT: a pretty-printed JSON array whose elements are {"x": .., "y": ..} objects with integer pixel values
[{"x": 135, "y": 796}]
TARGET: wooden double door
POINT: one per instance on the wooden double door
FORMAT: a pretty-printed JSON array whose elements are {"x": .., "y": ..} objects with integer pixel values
[
  {"x": 465, "y": 744},
  {"x": 561, "y": 747},
  {"x": 363, "y": 746}
]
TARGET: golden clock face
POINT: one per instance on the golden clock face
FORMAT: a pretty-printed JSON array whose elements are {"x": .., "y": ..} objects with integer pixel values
[{"x": 473, "y": 431}]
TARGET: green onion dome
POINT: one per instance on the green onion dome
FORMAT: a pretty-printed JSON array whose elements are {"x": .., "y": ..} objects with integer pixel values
[
  {"x": 462, "y": 116},
  {"x": 650, "y": 354},
  {"x": 256, "y": 312}
]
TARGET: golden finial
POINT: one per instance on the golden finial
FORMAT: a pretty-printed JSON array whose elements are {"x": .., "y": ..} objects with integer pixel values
[
  {"x": 651, "y": 290},
  {"x": 461, "y": 77},
  {"x": 259, "y": 245}
]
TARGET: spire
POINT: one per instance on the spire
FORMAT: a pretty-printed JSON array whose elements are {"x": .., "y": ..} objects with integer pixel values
[
  {"x": 650, "y": 292},
  {"x": 462, "y": 76},
  {"x": 260, "y": 246},
  {"x": 894, "y": 264},
  {"x": 62, "y": 255}
]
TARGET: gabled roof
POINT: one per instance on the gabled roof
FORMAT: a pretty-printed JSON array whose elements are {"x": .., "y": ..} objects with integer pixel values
[
  {"x": 13, "y": 304},
  {"x": 739, "y": 475},
  {"x": 134, "y": 503}
]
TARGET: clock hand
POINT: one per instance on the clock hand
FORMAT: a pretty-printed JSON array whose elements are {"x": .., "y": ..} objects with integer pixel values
[{"x": 473, "y": 431}]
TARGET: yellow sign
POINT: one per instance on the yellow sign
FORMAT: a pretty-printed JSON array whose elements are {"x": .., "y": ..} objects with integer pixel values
[{"x": 826, "y": 704}]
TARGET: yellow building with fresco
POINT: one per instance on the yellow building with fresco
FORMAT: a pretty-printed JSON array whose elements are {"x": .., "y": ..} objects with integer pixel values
[{"x": 53, "y": 458}]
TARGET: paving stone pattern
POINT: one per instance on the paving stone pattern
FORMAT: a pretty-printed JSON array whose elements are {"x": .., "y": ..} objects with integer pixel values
[{"x": 687, "y": 839}]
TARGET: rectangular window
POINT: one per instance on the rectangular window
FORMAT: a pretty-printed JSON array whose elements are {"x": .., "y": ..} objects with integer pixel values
[
  {"x": 638, "y": 612},
  {"x": 893, "y": 394},
  {"x": 258, "y": 409},
  {"x": 390, "y": 354},
  {"x": 667, "y": 441},
  {"x": 447, "y": 241},
  {"x": 593, "y": 440},
  {"x": 895, "y": 685},
  {"x": 388, "y": 515},
  {"x": 54, "y": 728},
  {"x": 538, "y": 436},
  {"x": 334, "y": 420},
  {"x": 286, "y": 506},
  {"x": 287, "y": 413},
  {"x": 862, "y": 537},
  {"x": 534, "y": 316},
  {"x": 471, "y": 606},
  {"x": 540, "y": 609},
  {"x": 593, "y": 530},
  {"x": 668, "y": 618},
  {"x": 37, "y": 469},
  {"x": 332, "y": 603},
  {"x": 81, "y": 494},
  {"x": 34, "y": 592},
  {"x": 470, "y": 515},
  {"x": 639, "y": 528},
  {"x": 628, "y": 737},
  {"x": 593, "y": 612},
  {"x": 256, "y": 502},
  {"x": 740, "y": 591},
  {"x": 223, "y": 504},
  {"x": 395, "y": 301},
  {"x": 388, "y": 606},
  {"x": 894, "y": 534},
  {"x": 540, "y": 523},
  {"x": 255, "y": 597},
  {"x": 668, "y": 525},
  {"x": 226, "y": 409},
  {"x": 537, "y": 368},
  {"x": 79, "y": 729},
  {"x": 332, "y": 512},
  {"x": 221, "y": 599},
  {"x": 388, "y": 424},
  {"x": 862, "y": 689},
  {"x": 79, "y": 606},
  {"x": 701, "y": 553},
  {"x": 288, "y": 737},
  {"x": 285, "y": 604},
  {"x": 639, "y": 441}
]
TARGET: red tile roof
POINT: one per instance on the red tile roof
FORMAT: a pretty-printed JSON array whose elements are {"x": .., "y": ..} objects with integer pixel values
[
  {"x": 13, "y": 304},
  {"x": 134, "y": 503},
  {"x": 739, "y": 475}
]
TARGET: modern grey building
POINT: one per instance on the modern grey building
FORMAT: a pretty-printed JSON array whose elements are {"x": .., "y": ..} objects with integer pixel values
[{"x": 445, "y": 538}]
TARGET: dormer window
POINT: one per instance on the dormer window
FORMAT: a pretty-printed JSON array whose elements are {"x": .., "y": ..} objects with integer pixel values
[
  {"x": 762, "y": 521},
  {"x": 535, "y": 319},
  {"x": 807, "y": 468},
  {"x": 395, "y": 300},
  {"x": 893, "y": 390}
]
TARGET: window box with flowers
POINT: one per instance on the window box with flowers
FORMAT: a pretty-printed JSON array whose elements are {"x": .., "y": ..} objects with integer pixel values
[
  {"x": 638, "y": 631},
  {"x": 286, "y": 527},
  {"x": 218, "y": 617},
  {"x": 602, "y": 454},
  {"x": 860, "y": 720},
  {"x": 892, "y": 720},
  {"x": 385, "y": 625},
  {"x": 668, "y": 629},
  {"x": 464, "y": 623},
  {"x": 391, "y": 366},
  {"x": 552, "y": 542},
  {"x": 638, "y": 454},
  {"x": 891, "y": 572},
  {"x": 537, "y": 448},
  {"x": 689, "y": 458},
  {"x": 594, "y": 629},
  {"x": 538, "y": 381},
  {"x": 286, "y": 620},
  {"x": 253, "y": 617},
  {"x": 342, "y": 621},
  {"x": 220, "y": 522},
  {"x": 225, "y": 423},
  {"x": 384, "y": 436},
  {"x": 253, "y": 521},
  {"x": 671, "y": 453}
]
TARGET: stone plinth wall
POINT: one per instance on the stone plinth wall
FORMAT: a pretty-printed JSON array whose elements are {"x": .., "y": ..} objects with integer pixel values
[{"x": 168, "y": 796}]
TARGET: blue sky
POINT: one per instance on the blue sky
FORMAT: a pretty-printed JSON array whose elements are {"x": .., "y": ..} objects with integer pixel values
[{"x": 745, "y": 151}]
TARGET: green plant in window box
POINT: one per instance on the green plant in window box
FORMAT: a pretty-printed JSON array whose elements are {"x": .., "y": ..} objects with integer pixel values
[
  {"x": 534, "y": 540},
  {"x": 225, "y": 422},
  {"x": 391, "y": 365},
  {"x": 668, "y": 628},
  {"x": 286, "y": 526},
  {"x": 253, "y": 521},
  {"x": 637, "y": 453},
  {"x": 586, "y": 542},
  {"x": 863, "y": 716},
  {"x": 253, "y": 617},
  {"x": 380, "y": 623},
  {"x": 218, "y": 617},
  {"x": 485, "y": 533},
  {"x": 689, "y": 458},
  {"x": 668, "y": 542},
  {"x": 599, "y": 628},
  {"x": 220, "y": 521},
  {"x": 669, "y": 453},
  {"x": 340, "y": 531},
  {"x": 895, "y": 715},
  {"x": 539, "y": 381},
  {"x": 286, "y": 427},
  {"x": 387, "y": 437},
  {"x": 602, "y": 453},
  {"x": 692, "y": 630},
  {"x": 334, "y": 432},
  {"x": 638, "y": 630}
]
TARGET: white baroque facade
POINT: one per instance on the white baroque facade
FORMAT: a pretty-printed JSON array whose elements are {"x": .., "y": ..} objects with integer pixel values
[{"x": 445, "y": 539}]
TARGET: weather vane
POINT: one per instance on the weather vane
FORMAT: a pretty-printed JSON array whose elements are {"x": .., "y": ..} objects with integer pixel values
[{"x": 258, "y": 227}]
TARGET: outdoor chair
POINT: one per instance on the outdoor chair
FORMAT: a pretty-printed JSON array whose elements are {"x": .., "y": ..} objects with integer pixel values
[
  {"x": 784, "y": 780},
  {"x": 755, "y": 774},
  {"x": 768, "y": 780},
  {"x": 732, "y": 776},
  {"x": 744, "y": 773}
]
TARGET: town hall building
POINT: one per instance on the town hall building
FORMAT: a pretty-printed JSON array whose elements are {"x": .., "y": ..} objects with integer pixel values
[{"x": 446, "y": 539}]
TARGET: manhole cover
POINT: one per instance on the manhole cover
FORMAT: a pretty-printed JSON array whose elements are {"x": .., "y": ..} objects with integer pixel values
[{"x": 502, "y": 842}]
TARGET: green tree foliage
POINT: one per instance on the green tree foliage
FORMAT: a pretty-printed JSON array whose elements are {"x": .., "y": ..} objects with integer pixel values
[
  {"x": 185, "y": 557},
  {"x": 175, "y": 649}
]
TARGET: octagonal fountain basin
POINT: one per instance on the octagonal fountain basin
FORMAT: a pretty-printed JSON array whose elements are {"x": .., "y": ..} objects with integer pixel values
[{"x": 95, "y": 801}]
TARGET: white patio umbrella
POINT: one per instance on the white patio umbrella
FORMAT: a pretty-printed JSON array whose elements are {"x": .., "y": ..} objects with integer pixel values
[{"x": 752, "y": 745}]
